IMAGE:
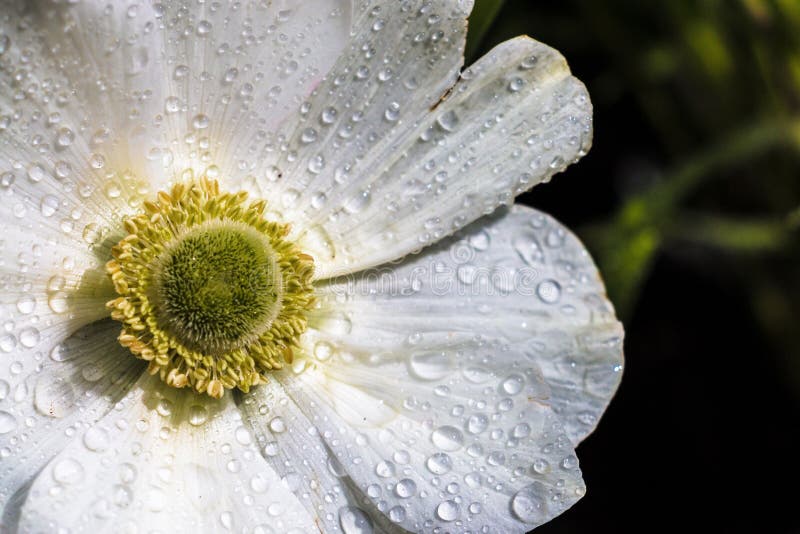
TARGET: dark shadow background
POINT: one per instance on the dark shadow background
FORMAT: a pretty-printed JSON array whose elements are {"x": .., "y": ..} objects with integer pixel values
[{"x": 690, "y": 203}]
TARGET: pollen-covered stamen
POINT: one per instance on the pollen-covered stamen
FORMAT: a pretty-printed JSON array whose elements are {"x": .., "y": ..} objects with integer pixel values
[{"x": 211, "y": 293}]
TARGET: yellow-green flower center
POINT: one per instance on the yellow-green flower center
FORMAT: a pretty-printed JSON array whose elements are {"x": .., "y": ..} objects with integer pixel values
[
  {"x": 211, "y": 293},
  {"x": 217, "y": 287}
]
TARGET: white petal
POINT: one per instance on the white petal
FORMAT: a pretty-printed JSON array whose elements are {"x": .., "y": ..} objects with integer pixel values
[
  {"x": 53, "y": 395},
  {"x": 402, "y": 57},
  {"x": 520, "y": 276},
  {"x": 391, "y": 187},
  {"x": 294, "y": 448},
  {"x": 75, "y": 108},
  {"x": 64, "y": 182},
  {"x": 149, "y": 90},
  {"x": 239, "y": 72},
  {"x": 166, "y": 460},
  {"x": 452, "y": 452}
]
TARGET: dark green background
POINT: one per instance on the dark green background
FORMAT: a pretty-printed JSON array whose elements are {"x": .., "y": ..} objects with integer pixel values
[{"x": 690, "y": 203}]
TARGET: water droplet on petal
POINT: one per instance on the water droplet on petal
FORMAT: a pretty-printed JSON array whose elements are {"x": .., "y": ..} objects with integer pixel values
[
  {"x": 96, "y": 439},
  {"x": 354, "y": 521},
  {"x": 530, "y": 503},
  {"x": 549, "y": 291},
  {"x": 439, "y": 463},
  {"x": 430, "y": 365},
  {"x": 7, "y": 422},
  {"x": 67, "y": 471},
  {"x": 447, "y": 510},
  {"x": 448, "y": 438},
  {"x": 197, "y": 415}
]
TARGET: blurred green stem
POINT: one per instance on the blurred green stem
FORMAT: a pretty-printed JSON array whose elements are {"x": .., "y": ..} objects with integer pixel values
[
  {"x": 745, "y": 236},
  {"x": 627, "y": 244}
]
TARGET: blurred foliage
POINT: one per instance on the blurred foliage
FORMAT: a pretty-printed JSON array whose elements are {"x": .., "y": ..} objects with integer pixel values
[{"x": 697, "y": 106}]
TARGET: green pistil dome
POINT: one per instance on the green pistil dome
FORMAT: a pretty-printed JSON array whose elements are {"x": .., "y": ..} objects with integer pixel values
[
  {"x": 218, "y": 287},
  {"x": 211, "y": 293}
]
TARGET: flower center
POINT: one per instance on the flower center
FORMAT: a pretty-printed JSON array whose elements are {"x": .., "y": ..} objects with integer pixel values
[
  {"x": 211, "y": 293},
  {"x": 217, "y": 287}
]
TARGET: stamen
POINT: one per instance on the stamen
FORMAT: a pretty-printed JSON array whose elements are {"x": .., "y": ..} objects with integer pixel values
[{"x": 211, "y": 293}]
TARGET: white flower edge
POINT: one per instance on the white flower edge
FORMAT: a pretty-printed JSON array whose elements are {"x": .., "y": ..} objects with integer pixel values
[
  {"x": 163, "y": 460},
  {"x": 518, "y": 276}
]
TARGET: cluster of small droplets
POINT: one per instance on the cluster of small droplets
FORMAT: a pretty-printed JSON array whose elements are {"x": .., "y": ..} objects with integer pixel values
[{"x": 147, "y": 332}]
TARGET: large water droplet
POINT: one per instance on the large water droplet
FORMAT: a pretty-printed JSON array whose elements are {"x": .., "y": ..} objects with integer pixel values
[
  {"x": 406, "y": 488},
  {"x": 354, "y": 521},
  {"x": 439, "y": 463},
  {"x": 7, "y": 422},
  {"x": 430, "y": 365},
  {"x": 530, "y": 503},
  {"x": 549, "y": 291},
  {"x": 447, "y": 510},
  {"x": 67, "y": 471},
  {"x": 197, "y": 415},
  {"x": 29, "y": 337},
  {"x": 513, "y": 384},
  {"x": 53, "y": 399},
  {"x": 96, "y": 439},
  {"x": 477, "y": 423},
  {"x": 203, "y": 28},
  {"x": 448, "y": 438}
]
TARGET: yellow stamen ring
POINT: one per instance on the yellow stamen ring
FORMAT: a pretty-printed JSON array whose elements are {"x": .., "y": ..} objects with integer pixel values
[{"x": 211, "y": 293}]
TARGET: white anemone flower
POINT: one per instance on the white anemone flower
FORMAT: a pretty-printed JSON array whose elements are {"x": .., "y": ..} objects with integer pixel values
[{"x": 259, "y": 272}]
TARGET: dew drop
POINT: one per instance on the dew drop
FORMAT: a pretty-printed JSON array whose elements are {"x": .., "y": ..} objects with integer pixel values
[
  {"x": 516, "y": 85},
  {"x": 430, "y": 365},
  {"x": 397, "y": 514},
  {"x": 392, "y": 113},
  {"x": 385, "y": 469},
  {"x": 354, "y": 521},
  {"x": 448, "y": 438},
  {"x": 447, "y": 510},
  {"x": 7, "y": 342},
  {"x": 58, "y": 302},
  {"x": 67, "y": 471},
  {"x": 36, "y": 173},
  {"x": 29, "y": 337},
  {"x": 197, "y": 415},
  {"x": 180, "y": 72},
  {"x": 529, "y": 62},
  {"x": 259, "y": 483},
  {"x": 549, "y": 291},
  {"x": 323, "y": 350},
  {"x": 405, "y": 488},
  {"x": 172, "y": 105},
  {"x": 277, "y": 425},
  {"x": 26, "y": 304},
  {"x": 164, "y": 407},
  {"x": 530, "y": 503},
  {"x": 91, "y": 233},
  {"x": 48, "y": 206},
  {"x": 96, "y": 439},
  {"x": 448, "y": 121},
  {"x": 65, "y": 137},
  {"x": 200, "y": 122},
  {"x": 439, "y": 463},
  {"x": 477, "y": 423},
  {"x": 203, "y": 28},
  {"x": 7, "y": 422},
  {"x": 53, "y": 400},
  {"x": 513, "y": 384}
]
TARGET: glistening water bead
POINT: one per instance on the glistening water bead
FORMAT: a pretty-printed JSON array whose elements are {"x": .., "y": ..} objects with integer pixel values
[{"x": 212, "y": 295}]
